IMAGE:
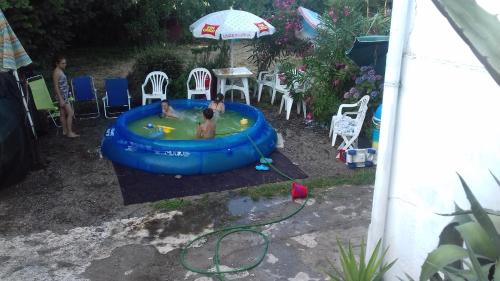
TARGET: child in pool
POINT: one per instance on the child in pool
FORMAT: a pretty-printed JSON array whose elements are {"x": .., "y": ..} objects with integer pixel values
[
  {"x": 207, "y": 129},
  {"x": 218, "y": 104},
  {"x": 167, "y": 110}
]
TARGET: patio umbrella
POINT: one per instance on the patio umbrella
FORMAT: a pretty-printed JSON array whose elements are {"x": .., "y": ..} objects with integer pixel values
[
  {"x": 310, "y": 22},
  {"x": 231, "y": 24},
  {"x": 370, "y": 50},
  {"x": 12, "y": 57}
]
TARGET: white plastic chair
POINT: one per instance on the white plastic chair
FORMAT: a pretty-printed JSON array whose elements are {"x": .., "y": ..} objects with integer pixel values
[
  {"x": 287, "y": 99},
  {"x": 200, "y": 75},
  {"x": 159, "y": 83},
  {"x": 349, "y": 127},
  {"x": 269, "y": 79}
]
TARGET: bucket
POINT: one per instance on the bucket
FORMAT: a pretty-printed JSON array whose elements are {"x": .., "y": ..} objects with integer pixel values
[{"x": 376, "y": 126}]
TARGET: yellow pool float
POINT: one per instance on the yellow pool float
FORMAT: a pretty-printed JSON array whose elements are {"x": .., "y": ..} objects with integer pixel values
[
  {"x": 165, "y": 129},
  {"x": 243, "y": 121}
]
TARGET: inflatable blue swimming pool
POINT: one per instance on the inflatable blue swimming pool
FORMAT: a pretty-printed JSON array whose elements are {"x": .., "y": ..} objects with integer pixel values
[{"x": 187, "y": 157}]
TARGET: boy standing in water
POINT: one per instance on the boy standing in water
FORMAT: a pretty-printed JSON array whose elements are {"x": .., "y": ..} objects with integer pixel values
[
  {"x": 167, "y": 110},
  {"x": 207, "y": 129}
]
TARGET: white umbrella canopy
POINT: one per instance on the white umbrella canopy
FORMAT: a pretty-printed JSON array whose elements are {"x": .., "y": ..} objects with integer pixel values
[{"x": 231, "y": 24}]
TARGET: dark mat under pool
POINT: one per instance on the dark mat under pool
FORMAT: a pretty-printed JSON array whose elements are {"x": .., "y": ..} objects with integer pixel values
[{"x": 138, "y": 186}]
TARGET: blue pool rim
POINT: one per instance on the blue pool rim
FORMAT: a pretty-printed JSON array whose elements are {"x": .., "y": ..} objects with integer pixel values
[{"x": 187, "y": 157}]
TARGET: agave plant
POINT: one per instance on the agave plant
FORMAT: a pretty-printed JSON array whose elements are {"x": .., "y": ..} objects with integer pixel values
[
  {"x": 478, "y": 28},
  {"x": 352, "y": 270},
  {"x": 477, "y": 257}
]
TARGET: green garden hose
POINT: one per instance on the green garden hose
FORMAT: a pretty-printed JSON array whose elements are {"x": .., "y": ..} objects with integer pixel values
[{"x": 224, "y": 232}]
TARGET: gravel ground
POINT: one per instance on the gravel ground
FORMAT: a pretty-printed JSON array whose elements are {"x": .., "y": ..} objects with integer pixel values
[
  {"x": 69, "y": 219},
  {"x": 79, "y": 188}
]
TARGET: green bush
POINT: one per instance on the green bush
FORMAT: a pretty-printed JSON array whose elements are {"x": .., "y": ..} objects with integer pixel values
[
  {"x": 283, "y": 43},
  {"x": 52, "y": 26},
  {"x": 214, "y": 55},
  {"x": 363, "y": 268},
  {"x": 476, "y": 256},
  {"x": 328, "y": 71},
  {"x": 331, "y": 71},
  {"x": 145, "y": 25},
  {"x": 157, "y": 58}
]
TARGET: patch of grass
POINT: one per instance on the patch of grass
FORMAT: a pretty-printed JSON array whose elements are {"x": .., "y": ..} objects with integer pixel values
[
  {"x": 204, "y": 198},
  {"x": 357, "y": 177},
  {"x": 171, "y": 204},
  {"x": 266, "y": 190}
]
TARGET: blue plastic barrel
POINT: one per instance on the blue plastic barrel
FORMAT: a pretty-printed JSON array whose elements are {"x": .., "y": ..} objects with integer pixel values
[{"x": 376, "y": 126}]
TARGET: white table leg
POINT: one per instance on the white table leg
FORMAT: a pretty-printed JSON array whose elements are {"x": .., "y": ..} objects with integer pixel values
[
  {"x": 231, "y": 87},
  {"x": 218, "y": 85},
  {"x": 304, "y": 108},
  {"x": 246, "y": 90},
  {"x": 222, "y": 88}
]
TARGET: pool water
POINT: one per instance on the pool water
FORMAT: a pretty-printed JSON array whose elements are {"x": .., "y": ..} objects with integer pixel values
[{"x": 184, "y": 128}]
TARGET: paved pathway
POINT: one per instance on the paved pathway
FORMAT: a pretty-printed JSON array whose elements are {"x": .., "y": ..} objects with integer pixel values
[{"x": 147, "y": 247}]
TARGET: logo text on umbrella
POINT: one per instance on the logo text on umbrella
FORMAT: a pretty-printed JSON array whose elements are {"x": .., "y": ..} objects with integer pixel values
[
  {"x": 262, "y": 26},
  {"x": 209, "y": 29}
]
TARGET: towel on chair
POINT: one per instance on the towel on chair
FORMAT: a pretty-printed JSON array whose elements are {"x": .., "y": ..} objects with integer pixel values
[{"x": 344, "y": 125}]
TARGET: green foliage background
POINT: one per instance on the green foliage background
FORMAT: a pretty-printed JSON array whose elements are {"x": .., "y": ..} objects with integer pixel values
[
  {"x": 56, "y": 26},
  {"x": 52, "y": 26},
  {"x": 327, "y": 68},
  {"x": 157, "y": 58}
]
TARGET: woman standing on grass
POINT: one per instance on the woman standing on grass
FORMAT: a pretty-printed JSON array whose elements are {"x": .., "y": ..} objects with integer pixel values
[{"x": 61, "y": 88}]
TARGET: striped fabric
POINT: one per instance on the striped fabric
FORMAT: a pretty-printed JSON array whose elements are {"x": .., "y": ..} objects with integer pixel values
[{"x": 12, "y": 54}]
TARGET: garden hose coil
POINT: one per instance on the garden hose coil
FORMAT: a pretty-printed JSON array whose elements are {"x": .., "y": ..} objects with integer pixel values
[{"x": 226, "y": 231}]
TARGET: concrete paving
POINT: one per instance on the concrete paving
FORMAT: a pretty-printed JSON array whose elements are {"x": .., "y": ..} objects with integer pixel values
[{"x": 148, "y": 247}]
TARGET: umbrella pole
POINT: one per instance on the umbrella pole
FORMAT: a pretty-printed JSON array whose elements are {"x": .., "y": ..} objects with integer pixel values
[
  {"x": 231, "y": 53},
  {"x": 231, "y": 49},
  {"x": 28, "y": 114}
]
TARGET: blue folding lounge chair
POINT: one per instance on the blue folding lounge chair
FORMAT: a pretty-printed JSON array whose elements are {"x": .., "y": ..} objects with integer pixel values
[
  {"x": 117, "y": 96},
  {"x": 84, "y": 92}
]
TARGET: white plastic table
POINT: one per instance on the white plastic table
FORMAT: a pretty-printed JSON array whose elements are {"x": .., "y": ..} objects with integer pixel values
[{"x": 232, "y": 74}]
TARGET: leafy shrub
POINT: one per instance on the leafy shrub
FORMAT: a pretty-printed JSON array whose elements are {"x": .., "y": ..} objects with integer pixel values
[
  {"x": 215, "y": 54},
  {"x": 145, "y": 21},
  {"x": 368, "y": 82},
  {"x": 156, "y": 58},
  {"x": 328, "y": 81},
  {"x": 45, "y": 27},
  {"x": 479, "y": 259},
  {"x": 330, "y": 70},
  {"x": 360, "y": 269},
  {"x": 298, "y": 80},
  {"x": 283, "y": 42},
  {"x": 51, "y": 26}
]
